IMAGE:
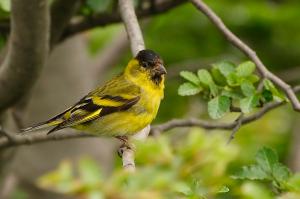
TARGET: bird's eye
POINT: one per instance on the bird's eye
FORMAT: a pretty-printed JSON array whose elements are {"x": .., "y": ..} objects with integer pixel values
[{"x": 145, "y": 64}]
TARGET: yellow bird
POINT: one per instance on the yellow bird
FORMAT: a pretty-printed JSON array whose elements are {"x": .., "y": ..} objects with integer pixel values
[{"x": 123, "y": 106}]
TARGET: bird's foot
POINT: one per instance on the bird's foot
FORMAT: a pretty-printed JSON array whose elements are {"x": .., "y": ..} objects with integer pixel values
[{"x": 123, "y": 148}]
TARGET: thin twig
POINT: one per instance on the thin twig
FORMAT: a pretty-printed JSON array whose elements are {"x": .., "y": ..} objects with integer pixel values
[
  {"x": 38, "y": 137},
  {"x": 133, "y": 30},
  {"x": 234, "y": 40},
  {"x": 236, "y": 128}
]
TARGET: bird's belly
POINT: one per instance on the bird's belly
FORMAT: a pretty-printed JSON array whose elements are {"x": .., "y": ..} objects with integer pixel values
[{"x": 117, "y": 124}]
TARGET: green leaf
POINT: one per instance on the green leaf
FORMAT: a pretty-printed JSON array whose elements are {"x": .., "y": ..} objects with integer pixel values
[
  {"x": 188, "y": 88},
  {"x": 232, "y": 94},
  {"x": 247, "y": 104},
  {"x": 253, "y": 78},
  {"x": 218, "y": 106},
  {"x": 271, "y": 87},
  {"x": 281, "y": 173},
  {"x": 205, "y": 77},
  {"x": 225, "y": 67},
  {"x": 233, "y": 80},
  {"x": 223, "y": 189},
  {"x": 267, "y": 95},
  {"x": 218, "y": 77},
  {"x": 266, "y": 159},
  {"x": 245, "y": 69},
  {"x": 247, "y": 88},
  {"x": 252, "y": 172},
  {"x": 190, "y": 77}
]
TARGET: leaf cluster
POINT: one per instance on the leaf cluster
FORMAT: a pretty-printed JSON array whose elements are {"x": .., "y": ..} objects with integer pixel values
[
  {"x": 268, "y": 168},
  {"x": 227, "y": 85}
]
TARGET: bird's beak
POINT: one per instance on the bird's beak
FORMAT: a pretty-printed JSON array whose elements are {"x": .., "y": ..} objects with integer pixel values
[{"x": 160, "y": 69}]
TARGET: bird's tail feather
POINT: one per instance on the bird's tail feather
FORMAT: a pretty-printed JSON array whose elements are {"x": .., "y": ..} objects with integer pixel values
[{"x": 42, "y": 125}]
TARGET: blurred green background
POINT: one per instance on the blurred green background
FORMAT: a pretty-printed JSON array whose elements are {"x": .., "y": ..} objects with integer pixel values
[{"x": 189, "y": 162}]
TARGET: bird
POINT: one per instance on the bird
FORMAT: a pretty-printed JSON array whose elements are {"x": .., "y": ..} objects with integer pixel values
[{"x": 121, "y": 107}]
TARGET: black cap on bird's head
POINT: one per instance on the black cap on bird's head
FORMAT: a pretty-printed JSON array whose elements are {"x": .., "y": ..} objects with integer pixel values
[{"x": 152, "y": 61}]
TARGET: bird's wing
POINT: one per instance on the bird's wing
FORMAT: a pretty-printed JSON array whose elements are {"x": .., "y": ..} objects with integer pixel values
[{"x": 115, "y": 96}]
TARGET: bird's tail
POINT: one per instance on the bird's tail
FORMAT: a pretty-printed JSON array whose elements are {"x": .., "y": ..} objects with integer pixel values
[{"x": 42, "y": 125}]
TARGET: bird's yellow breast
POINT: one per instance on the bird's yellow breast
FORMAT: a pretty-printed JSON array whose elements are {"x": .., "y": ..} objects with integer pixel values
[{"x": 135, "y": 118}]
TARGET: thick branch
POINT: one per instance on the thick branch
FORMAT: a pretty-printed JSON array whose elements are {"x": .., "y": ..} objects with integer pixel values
[
  {"x": 61, "y": 13},
  {"x": 104, "y": 19},
  {"x": 234, "y": 40},
  {"x": 28, "y": 48}
]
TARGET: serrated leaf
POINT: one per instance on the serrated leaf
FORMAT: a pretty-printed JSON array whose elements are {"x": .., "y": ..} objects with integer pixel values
[
  {"x": 223, "y": 189},
  {"x": 249, "y": 103},
  {"x": 225, "y": 68},
  {"x": 252, "y": 172},
  {"x": 281, "y": 173},
  {"x": 248, "y": 88},
  {"x": 218, "y": 106},
  {"x": 190, "y": 77},
  {"x": 245, "y": 69},
  {"x": 205, "y": 77},
  {"x": 233, "y": 80},
  {"x": 188, "y": 88},
  {"x": 266, "y": 159}
]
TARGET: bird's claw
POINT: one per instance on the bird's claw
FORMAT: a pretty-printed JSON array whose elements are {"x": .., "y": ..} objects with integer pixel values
[{"x": 125, "y": 146}]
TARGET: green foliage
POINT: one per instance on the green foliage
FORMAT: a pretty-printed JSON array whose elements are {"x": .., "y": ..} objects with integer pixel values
[
  {"x": 218, "y": 106},
  {"x": 197, "y": 165},
  {"x": 268, "y": 168},
  {"x": 227, "y": 85},
  {"x": 165, "y": 170},
  {"x": 245, "y": 69}
]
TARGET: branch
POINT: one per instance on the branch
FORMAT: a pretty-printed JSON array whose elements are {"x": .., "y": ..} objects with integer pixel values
[
  {"x": 28, "y": 47},
  {"x": 132, "y": 27},
  {"x": 33, "y": 138},
  {"x": 238, "y": 125},
  {"x": 213, "y": 125},
  {"x": 251, "y": 54},
  {"x": 106, "y": 18},
  {"x": 134, "y": 33},
  {"x": 61, "y": 14}
]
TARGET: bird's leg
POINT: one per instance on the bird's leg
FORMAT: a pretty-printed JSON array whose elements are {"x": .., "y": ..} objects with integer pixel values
[
  {"x": 123, "y": 139},
  {"x": 125, "y": 145}
]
